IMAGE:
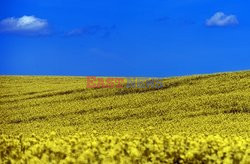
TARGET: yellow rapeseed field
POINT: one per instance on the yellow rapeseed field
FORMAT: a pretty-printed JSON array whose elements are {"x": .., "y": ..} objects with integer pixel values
[{"x": 191, "y": 119}]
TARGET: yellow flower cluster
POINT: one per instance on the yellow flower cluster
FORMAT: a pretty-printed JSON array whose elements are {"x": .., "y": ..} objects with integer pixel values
[{"x": 141, "y": 148}]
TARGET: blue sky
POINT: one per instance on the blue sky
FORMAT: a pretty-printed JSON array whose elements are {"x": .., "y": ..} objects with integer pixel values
[{"x": 123, "y": 38}]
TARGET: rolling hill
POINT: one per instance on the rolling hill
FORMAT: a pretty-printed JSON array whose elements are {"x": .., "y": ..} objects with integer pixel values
[{"x": 213, "y": 104}]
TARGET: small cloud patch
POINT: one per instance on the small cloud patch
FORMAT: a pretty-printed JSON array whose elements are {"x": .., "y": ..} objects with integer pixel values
[
  {"x": 220, "y": 19},
  {"x": 103, "y": 31},
  {"x": 27, "y": 25}
]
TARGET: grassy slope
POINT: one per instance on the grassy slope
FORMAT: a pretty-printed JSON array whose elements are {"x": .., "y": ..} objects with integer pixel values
[{"x": 214, "y": 104}]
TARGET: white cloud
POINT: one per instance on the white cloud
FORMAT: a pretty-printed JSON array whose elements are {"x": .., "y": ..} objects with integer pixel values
[
  {"x": 221, "y": 19},
  {"x": 24, "y": 25}
]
